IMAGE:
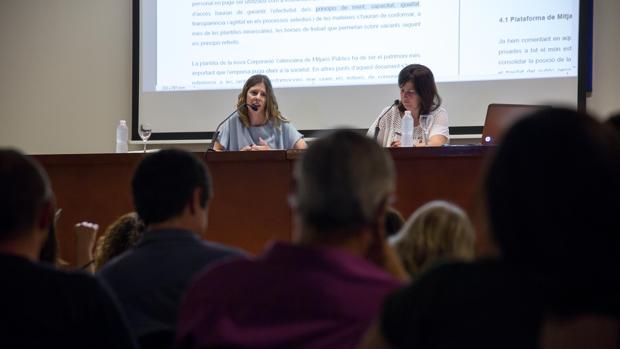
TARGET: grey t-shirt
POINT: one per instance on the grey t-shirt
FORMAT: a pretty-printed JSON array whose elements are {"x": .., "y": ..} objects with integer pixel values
[{"x": 235, "y": 136}]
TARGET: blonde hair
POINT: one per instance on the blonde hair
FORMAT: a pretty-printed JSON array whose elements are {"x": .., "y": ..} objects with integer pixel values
[{"x": 437, "y": 230}]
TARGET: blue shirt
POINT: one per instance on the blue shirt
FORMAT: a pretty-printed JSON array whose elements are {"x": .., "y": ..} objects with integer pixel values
[
  {"x": 235, "y": 135},
  {"x": 150, "y": 279}
]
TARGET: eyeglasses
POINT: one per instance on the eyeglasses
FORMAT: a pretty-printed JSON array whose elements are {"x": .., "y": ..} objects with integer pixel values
[{"x": 409, "y": 93}]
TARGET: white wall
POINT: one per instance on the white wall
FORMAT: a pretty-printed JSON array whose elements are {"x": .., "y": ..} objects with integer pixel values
[
  {"x": 605, "y": 98},
  {"x": 65, "y": 72}
]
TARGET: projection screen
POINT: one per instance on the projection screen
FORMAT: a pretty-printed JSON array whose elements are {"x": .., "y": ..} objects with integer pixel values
[{"x": 334, "y": 63}]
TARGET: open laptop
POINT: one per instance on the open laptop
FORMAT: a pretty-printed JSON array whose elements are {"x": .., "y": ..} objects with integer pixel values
[{"x": 500, "y": 117}]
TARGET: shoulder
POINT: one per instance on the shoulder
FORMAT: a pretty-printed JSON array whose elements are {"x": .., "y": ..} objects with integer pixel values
[
  {"x": 86, "y": 287},
  {"x": 118, "y": 264},
  {"x": 440, "y": 111},
  {"x": 449, "y": 283},
  {"x": 288, "y": 126},
  {"x": 218, "y": 277},
  {"x": 485, "y": 293},
  {"x": 221, "y": 250},
  {"x": 71, "y": 278},
  {"x": 470, "y": 277},
  {"x": 235, "y": 119},
  {"x": 392, "y": 115}
]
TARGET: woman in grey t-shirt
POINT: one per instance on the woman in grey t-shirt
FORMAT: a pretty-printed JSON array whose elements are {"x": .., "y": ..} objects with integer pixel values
[{"x": 258, "y": 124}]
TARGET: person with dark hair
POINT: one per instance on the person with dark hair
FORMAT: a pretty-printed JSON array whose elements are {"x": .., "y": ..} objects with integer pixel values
[
  {"x": 93, "y": 253},
  {"x": 258, "y": 123},
  {"x": 171, "y": 193},
  {"x": 85, "y": 237},
  {"x": 418, "y": 94},
  {"x": 323, "y": 290},
  {"x": 393, "y": 221},
  {"x": 49, "y": 251},
  {"x": 43, "y": 307},
  {"x": 614, "y": 122},
  {"x": 553, "y": 211}
]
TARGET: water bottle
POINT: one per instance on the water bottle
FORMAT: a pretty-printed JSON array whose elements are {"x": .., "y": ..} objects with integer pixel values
[
  {"x": 122, "y": 136},
  {"x": 406, "y": 139}
]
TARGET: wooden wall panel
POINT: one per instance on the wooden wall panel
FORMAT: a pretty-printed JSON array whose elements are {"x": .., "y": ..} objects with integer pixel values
[{"x": 249, "y": 207}]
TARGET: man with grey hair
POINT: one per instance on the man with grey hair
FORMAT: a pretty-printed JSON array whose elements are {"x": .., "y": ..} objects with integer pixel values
[{"x": 321, "y": 291}]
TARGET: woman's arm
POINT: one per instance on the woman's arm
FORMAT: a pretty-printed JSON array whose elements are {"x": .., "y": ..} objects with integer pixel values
[
  {"x": 217, "y": 146},
  {"x": 434, "y": 141},
  {"x": 300, "y": 144},
  {"x": 86, "y": 234},
  {"x": 439, "y": 130}
]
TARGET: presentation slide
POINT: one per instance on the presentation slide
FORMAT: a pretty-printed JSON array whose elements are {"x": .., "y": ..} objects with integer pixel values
[{"x": 335, "y": 63}]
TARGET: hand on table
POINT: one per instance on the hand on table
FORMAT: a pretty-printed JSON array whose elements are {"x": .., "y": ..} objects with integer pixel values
[{"x": 262, "y": 145}]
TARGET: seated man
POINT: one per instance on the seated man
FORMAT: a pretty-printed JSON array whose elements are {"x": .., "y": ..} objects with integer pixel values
[
  {"x": 42, "y": 307},
  {"x": 551, "y": 193},
  {"x": 323, "y": 290},
  {"x": 171, "y": 192}
]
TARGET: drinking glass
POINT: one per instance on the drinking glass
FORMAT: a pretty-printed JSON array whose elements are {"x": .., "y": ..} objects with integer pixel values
[{"x": 145, "y": 131}]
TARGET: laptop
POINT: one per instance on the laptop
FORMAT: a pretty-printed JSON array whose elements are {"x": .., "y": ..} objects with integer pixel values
[{"x": 500, "y": 117}]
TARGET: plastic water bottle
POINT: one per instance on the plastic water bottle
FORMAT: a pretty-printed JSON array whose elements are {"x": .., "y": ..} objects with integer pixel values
[
  {"x": 406, "y": 138},
  {"x": 122, "y": 136}
]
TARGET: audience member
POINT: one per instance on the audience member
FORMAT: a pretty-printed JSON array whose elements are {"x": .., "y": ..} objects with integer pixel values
[
  {"x": 49, "y": 251},
  {"x": 552, "y": 194},
  {"x": 435, "y": 232},
  {"x": 120, "y": 236},
  {"x": 171, "y": 193},
  {"x": 258, "y": 124},
  {"x": 614, "y": 121},
  {"x": 85, "y": 237},
  {"x": 323, "y": 290},
  {"x": 43, "y": 307},
  {"x": 393, "y": 221},
  {"x": 418, "y": 95}
]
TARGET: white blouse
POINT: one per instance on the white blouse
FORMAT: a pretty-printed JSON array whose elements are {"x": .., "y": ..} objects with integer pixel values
[{"x": 435, "y": 123}]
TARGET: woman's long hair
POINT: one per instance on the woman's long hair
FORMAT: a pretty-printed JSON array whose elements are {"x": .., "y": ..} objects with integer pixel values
[{"x": 271, "y": 106}]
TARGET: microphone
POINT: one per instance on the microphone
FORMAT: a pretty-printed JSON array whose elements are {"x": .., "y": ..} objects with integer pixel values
[
  {"x": 377, "y": 128},
  {"x": 217, "y": 129},
  {"x": 252, "y": 106}
]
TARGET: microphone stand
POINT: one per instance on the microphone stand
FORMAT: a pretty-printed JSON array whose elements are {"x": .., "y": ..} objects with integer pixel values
[
  {"x": 377, "y": 128},
  {"x": 217, "y": 129}
]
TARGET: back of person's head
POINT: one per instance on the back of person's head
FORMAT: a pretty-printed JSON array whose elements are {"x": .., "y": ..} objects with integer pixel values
[
  {"x": 164, "y": 183},
  {"x": 614, "y": 122},
  {"x": 436, "y": 231},
  {"x": 342, "y": 182},
  {"x": 552, "y": 193},
  {"x": 49, "y": 250},
  {"x": 120, "y": 236},
  {"x": 24, "y": 194},
  {"x": 394, "y": 221}
]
